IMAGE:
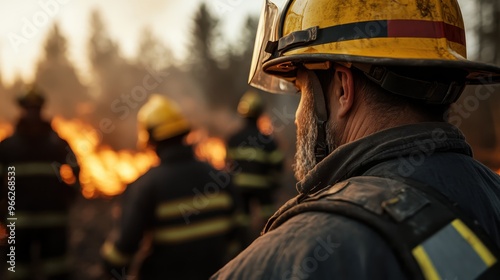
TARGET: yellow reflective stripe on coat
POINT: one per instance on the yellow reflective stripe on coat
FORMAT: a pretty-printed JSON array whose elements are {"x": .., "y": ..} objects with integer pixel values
[
  {"x": 474, "y": 241},
  {"x": 276, "y": 157},
  {"x": 193, "y": 231},
  {"x": 242, "y": 219},
  {"x": 36, "y": 168},
  {"x": 454, "y": 251},
  {"x": 21, "y": 271},
  {"x": 55, "y": 266},
  {"x": 425, "y": 263},
  {"x": 42, "y": 220},
  {"x": 251, "y": 180},
  {"x": 49, "y": 267},
  {"x": 178, "y": 207},
  {"x": 111, "y": 254},
  {"x": 248, "y": 154},
  {"x": 267, "y": 210}
]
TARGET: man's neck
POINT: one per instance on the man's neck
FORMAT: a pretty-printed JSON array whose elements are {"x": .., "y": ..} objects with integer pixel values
[{"x": 364, "y": 122}]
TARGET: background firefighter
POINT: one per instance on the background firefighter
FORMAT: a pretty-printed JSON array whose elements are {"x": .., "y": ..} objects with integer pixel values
[
  {"x": 256, "y": 164},
  {"x": 182, "y": 205},
  {"x": 42, "y": 197}
]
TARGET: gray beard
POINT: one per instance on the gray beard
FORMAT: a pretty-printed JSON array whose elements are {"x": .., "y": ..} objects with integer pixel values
[
  {"x": 306, "y": 139},
  {"x": 307, "y": 134}
]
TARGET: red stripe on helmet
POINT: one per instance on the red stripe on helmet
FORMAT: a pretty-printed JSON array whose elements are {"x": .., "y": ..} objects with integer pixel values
[{"x": 425, "y": 29}]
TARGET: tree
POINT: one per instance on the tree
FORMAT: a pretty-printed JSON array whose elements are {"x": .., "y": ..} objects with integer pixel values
[
  {"x": 56, "y": 75},
  {"x": 152, "y": 52},
  {"x": 488, "y": 31},
  {"x": 485, "y": 114},
  {"x": 204, "y": 65},
  {"x": 102, "y": 49},
  {"x": 240, "y": 58},
  {"x": 120, "y": 86}
]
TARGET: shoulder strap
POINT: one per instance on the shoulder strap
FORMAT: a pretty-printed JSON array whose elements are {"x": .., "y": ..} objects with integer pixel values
[{"x": 418, "y": 223}]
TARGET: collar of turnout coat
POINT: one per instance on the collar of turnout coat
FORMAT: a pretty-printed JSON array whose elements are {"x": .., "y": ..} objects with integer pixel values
[
  {"x": 174, "y": 153},
  {"x": 356, "y": 157}
]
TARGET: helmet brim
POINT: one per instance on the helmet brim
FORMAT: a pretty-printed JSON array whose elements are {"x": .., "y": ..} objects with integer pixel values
[{"x": 477, "y": 72}]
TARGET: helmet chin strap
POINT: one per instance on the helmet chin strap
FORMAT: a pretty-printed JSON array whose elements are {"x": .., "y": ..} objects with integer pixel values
[{"x": 321, "y": 149}]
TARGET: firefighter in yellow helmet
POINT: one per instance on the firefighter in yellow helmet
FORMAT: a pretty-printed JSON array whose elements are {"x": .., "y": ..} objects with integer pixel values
[
  {"x": 257, "y": 162},
  {"x": 388, "y": 188},
  {"x": 183, "y": 206},
  {"x": 39, "y": 199}
]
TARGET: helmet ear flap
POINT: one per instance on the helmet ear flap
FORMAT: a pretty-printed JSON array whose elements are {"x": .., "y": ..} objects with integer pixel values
[
  {"x": 326, "y": 80},
  {"x": 419, "y": 83}
]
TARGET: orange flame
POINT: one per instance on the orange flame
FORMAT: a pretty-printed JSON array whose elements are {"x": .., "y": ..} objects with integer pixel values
[
  {"x": 265, "y": 125},
  {"x": 106, "y": 172},
  {"x": 67, "y": 174},
  {"x": 6, "y": 130},
  {"x": 103, "y": 171},
  {"x": 209, "y": 149}
]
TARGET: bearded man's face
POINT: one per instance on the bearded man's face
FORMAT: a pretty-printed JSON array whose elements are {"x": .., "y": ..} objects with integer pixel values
[{"x": 307, "y": 133}]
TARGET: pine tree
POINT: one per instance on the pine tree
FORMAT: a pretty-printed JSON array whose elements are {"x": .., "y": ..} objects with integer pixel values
[
  {"x": 56, "y": 75},
  {"x": 118, "y": 85},
  {"x": 483, "y": 112},
  {"x": 240, "y": 58},
  {"x": 488, "y": 31},
  {"x": 203, "y": 62},
  {"x": 152, "y": 52}
]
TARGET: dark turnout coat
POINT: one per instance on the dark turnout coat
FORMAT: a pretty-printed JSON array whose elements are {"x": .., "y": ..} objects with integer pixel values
[
  {"x": 184, "y": 206},
  {"x": 34, "y": 155},
  {"x": 319, "y": 245}
]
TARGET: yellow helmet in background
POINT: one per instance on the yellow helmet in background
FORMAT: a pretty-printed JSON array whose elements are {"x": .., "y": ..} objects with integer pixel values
[
  {"x": 162, "y": 118},
  {"x": 32, "y": 97},
  {"x": 251, "y": 105},
  {"x": 366, "y": 33}
]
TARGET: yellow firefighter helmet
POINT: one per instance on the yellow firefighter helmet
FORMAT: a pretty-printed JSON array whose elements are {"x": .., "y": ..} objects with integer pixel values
[
  {"x": 400, "y": 34},
  {"x": 251, "y": 105},
  {"x": 32, "y": 97},
  {"x": 161, "y": 118}
]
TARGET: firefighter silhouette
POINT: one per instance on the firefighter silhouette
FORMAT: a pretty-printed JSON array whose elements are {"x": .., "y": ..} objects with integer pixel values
[
  {"x": 257, "y": 163},
  {"x": 183, "y": 206},
  {"x": 33, "y": 158}
]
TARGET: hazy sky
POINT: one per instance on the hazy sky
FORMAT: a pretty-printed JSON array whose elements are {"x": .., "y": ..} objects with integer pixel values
[{"x": 25, "y": 24}]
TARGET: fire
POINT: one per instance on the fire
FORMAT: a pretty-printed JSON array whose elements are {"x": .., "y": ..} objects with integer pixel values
[
  {"x": 265, "y": 125},
  {"x": 209, "y": 149},
  {"x": 103, "y": 171},
  {"x": 6, "y": 130}
]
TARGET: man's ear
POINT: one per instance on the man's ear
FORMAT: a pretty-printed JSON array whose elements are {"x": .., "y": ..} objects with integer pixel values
[{"x": 343, "y": 90}]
